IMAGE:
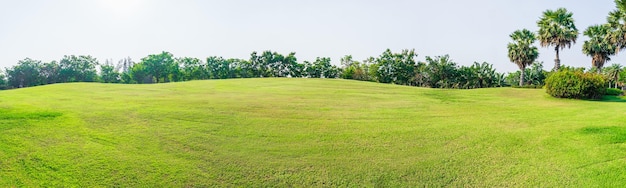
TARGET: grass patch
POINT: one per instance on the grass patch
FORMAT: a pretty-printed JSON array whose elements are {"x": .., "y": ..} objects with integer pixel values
[
  {"x": 612, "y": 135},
  {"x": 305, "y": 133}
]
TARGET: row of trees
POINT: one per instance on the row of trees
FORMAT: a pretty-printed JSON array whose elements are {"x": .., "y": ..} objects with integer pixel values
[
  {"x": 436, "y": 72},
  {"x": 163, "y": 67},
  {"x": 399, "y": 68},
  {"x": 557, "y": 29}
]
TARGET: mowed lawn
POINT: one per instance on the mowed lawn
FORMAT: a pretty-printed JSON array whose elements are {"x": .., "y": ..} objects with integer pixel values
[{"x": 306, "y": 132}]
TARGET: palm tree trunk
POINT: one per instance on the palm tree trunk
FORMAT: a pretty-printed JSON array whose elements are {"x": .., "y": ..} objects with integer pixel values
[
  {"x": 521, "y": 78},
  {"x": 557, "y": 61}
]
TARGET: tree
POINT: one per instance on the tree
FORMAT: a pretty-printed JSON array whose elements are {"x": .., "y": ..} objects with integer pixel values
[
  {"x": 289, "y": 66},
  {"x": 613, "y": 73},
  {"x": 386, "y": 70},
  {"x": 78, "y": 69},
  {"x": 159, "y": 66},
  {"x": 479, "y": 75},
  {"x": 522, "y": 52},
  {"x": 317, "y": 68},
  {"x": 192, "y": 68},
  {"x": 25, "y": 74},
  {"x": 108, "y": 74},
  {"x": 349, "y": 67},
  {"x": 347, "y": 61},
  {"x": 420, "y": 75},
  {"x": 124, "y": 66},
  {"x": 533, "y": 75},
  {"x": 50, "y": 72},
  {"x": 599, "y": 47},
  {"x": 3, "y": 81},
  {"x": 352, "y": 69},
  {"x": 396, "y": 68},
  {"x": 617, "y": 21},
  {"x": 140, "y": 74},
  {"x": 257, "y": 65},
  {"x": 371, "y": 68},
  {"x": 218, "y": 67},
  {"x": 441, "y": 72},
  {"x": 241, "y": 68},
  {"x": 556, "y": 28}
]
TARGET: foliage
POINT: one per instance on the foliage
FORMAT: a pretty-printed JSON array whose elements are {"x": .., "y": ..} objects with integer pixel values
[
  {"x": 617, "y": 21},
  {"x": 614, "y": 91},
  {"x": 598, "y": 46},
  {"x": 320, "y": 68},
  {"x": 533, "y": 75},
  {"x": 156, "y": 68},
  {"x": 576, "y": 84},
  {"x": 521, "y": 51},
  {"x": 50, "y": 72},
  {"x": 528, "y": 86},
  {"x": 557, "y": 28},
  {"x": 25, "y": 74},
  {"x": 193, "y": 68},
  {"x": 441, "y": 72},
  {"x": 78, "y": 69},
  {"x": 140, "y": 74},
  {"x": 613, "y": 74},
  {"x": 3, "y": 81},
  {"x": 397, "y": 68},
  {"x": 108, "y": 74},
  {"x": 124, "y": 67}
]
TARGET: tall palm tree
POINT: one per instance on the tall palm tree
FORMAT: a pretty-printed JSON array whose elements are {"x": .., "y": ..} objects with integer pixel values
[
  {"x": 599, "y": 47},
  {"x": 522, "y": 52},
  {"x": 617, "y": 21},
  {"x": 556, "y": 28}
]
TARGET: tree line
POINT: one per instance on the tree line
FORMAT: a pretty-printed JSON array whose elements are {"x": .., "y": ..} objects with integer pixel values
[{"x": 398, "y": 68}]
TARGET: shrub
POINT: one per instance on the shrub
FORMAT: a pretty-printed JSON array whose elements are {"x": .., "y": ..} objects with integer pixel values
[
  {"x": 613, "y": 91},
  {"x": 575, "y": 84}
]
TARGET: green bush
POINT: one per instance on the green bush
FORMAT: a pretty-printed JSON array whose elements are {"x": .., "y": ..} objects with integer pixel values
[
  {"x": 575, "y": 84},
  {"x": 613, "y": 91}
]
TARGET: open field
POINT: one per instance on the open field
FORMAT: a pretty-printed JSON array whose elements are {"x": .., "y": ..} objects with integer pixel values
[{"x": 306, "y": 132}]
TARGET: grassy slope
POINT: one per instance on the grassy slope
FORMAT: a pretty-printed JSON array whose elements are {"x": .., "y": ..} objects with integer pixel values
[{"x": 312, "y": 132}]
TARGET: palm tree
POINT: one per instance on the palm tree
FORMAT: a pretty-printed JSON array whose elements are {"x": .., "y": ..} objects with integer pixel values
[
  {"x": 617, "y": 21},
  {"x": 522, "y": 52},
  {"x": 614, "y": 73},
  {"x": 556, "y": 28},
  {"x": 599, "y": 47}
]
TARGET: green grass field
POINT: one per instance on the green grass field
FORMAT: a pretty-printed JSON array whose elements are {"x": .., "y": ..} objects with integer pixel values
[{"x": 306, "y": 132}]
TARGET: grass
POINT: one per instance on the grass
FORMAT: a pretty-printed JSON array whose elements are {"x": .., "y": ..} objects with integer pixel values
[{"x": 306, "y": 132}]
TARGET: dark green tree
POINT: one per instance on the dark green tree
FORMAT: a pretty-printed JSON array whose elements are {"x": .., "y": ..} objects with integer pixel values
[
  {"x": 192, "y": 68},
  {"x": 78, "y": 69},
  {"x": 50, "y": 72},
  {"x": 159, "y": 66},
  {"x": 25, "y": 74},
  {"x": 442, "y": 72},
  {"x": 108, "y": 74}
]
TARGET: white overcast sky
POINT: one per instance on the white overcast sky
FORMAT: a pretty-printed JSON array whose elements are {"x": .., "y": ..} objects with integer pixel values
[{"x": 113, "y": 29}]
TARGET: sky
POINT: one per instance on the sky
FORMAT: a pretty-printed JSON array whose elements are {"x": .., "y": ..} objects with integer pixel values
[{"x": 468, "y": 31}]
